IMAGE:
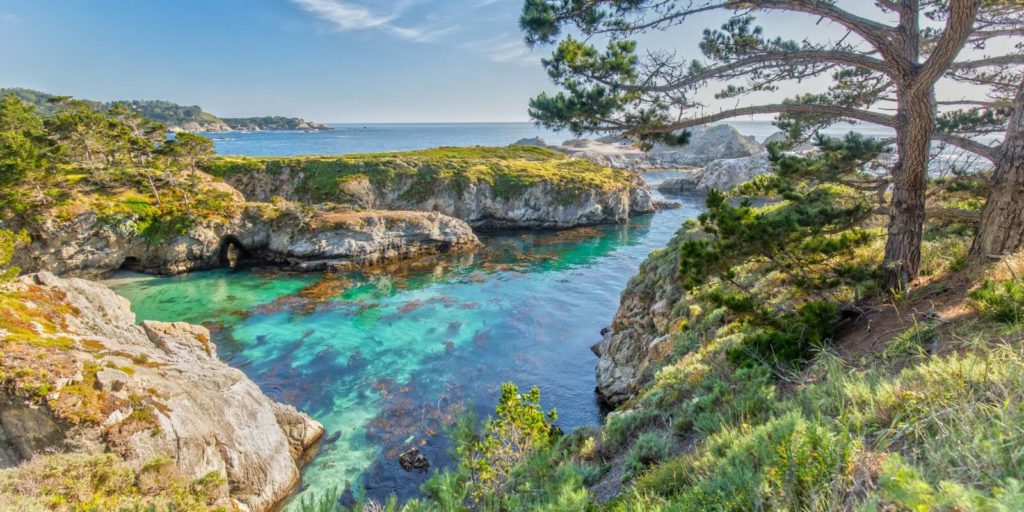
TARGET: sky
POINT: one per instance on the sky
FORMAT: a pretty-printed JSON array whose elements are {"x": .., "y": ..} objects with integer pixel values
[{"x": 324, "y": 60}]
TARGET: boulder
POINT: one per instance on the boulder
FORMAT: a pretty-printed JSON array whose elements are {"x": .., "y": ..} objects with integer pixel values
[
  {"x": 533, "y": 141},
  {"x": 802, "y": 147},
  {"x": 776, "y": 137},
  {"x": 707, "y": 144},
  {"x": 721, "y": 175},
  {"x": 413, "y": 460}
]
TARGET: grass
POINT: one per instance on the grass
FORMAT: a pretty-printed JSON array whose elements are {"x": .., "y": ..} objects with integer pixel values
[
  {"x": 420, "y": 175},
  {"x": 650, "y": 448},
  {"x": 1001, "y": 300},
  {"x": 103, "y": 482}
]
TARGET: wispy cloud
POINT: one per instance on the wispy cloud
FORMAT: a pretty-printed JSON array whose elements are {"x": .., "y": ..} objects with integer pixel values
[
  {"x": 345, "y": 15},
  {"x": 9, "y": 18},
  {"x": 506, "y": 49}
]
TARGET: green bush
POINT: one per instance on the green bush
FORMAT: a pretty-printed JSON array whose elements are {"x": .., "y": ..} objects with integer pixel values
[
  {"x": 910, "y": 342},
  {"x": 650, "y": 448},
  {"x": 788, "y": 339},
  {"x": 1001, "y": 300},
  {"x": 622, "y": 427},
  {"x": 789, "y": 463}
]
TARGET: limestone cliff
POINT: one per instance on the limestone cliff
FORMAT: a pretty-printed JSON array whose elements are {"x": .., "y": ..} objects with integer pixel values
[
  {"x": 146, "y": 393},
  {"x": 280, "y": 233},
  {"x": 489, "y": 188}
]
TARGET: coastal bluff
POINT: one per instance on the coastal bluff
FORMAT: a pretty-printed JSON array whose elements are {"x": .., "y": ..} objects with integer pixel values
[
  {"x": 284, "y": 234},
  {"x": 87, "y": 385},
  {"x": 516, "y": 187},
  {"x": 329, "y": 213}
]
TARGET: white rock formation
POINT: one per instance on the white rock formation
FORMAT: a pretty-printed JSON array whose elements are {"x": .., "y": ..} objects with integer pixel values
[
  {"x": 721, "y": 175},
  {"x": 706, "y": 145},
  {"x": 204, "y": 415},
  {"x": 89, "y": 246}
]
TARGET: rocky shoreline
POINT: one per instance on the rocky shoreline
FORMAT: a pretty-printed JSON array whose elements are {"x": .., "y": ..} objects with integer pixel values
[
  {"x": 707, "y": 144},
  {"x": 273, "y": 214},
  {"x": 285, "y": 235},
  {"x": 156, "y": 391},
  {"x": 90, "y": 380},
  {"x": 498, "y": 194}
]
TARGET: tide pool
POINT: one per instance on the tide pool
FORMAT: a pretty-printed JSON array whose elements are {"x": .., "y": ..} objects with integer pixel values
[{"x": 386, "y": 358}]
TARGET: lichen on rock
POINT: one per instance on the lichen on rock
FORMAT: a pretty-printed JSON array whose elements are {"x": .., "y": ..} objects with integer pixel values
[{"x": 143, "y": 392}]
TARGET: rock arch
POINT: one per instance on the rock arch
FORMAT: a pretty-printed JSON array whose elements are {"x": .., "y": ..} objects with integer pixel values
[{"x": 232, "y": 252}]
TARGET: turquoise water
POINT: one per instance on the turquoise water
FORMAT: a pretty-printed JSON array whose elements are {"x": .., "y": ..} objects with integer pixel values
[{"x": 384, "y": 359}]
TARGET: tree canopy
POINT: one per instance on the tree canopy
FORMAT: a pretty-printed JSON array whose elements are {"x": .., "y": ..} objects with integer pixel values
[{"x": 881, "y": 72}]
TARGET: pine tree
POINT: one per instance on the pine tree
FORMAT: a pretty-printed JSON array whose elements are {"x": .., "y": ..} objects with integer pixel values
[{"x": 615, "y": 90}]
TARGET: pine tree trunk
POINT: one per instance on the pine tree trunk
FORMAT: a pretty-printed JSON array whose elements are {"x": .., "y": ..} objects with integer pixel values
[
  {"x": 1002, "y": 221},
  {"x": 152, "y": 186},
  {"x": 916, "y": 115},
  {"x": 1001, "y": 230}
]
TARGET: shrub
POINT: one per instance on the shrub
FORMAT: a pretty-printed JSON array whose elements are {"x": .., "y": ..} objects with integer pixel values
[
  {"x": 520, "y": 428},
  {"x": 790, "y": 338},
  {"x": 650, "y": 448},
  {"x": 622, "y": 427},
  {"x": 910, "y": 342},
  {"x": 789, "y": 463},
  {"x": 1001, "y": 300},
  {"x": 9, "y": 242}
]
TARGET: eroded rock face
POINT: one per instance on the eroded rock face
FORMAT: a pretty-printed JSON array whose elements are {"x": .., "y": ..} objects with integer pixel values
[
  {"x": 297, "y": 237},
  {"x": 638, "y": 339},
  {"x": 538, "y": 206},
  {"x": 706, "y": 145},
  {"x": 168, "y": 395},
  {"x": 721, "y": 175},
  {"x": 534, "y": 208}
]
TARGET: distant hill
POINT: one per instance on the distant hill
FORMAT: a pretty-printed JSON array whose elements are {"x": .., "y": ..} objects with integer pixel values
[
  {"x": 272, "y": 123},
  {"x": 176, "y": 117}
]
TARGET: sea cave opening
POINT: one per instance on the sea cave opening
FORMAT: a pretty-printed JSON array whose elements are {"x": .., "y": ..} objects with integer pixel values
[{"x": 232, "y": 252}]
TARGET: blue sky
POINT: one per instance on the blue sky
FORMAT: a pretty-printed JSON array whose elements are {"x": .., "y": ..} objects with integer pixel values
[
  {"x": 324, "y": 60},
  {"x": 328, "y": 60}
]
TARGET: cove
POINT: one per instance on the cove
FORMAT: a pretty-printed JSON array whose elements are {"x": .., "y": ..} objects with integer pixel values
[{"x": 386, "y": 357}]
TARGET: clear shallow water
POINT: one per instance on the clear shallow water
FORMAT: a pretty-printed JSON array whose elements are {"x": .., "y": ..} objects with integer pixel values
[{"x": 385, "y": 358}]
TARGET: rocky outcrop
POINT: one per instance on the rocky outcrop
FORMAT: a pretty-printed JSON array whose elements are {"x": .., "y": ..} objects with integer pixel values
[
  {"x": 479, "y": 203},
  {"x": 205, "y": 126},
  {"x": 147, "y": 391},
  {"x": 534, "y": 207},
  {"x": 801, "y": 147},
  {"x": 638, "y": 339},
  {"x": 721, "y": 175},
  {"x": 707, "y": 144},
  {"x": 532, "y": 141},
  {"x": 298, "y": 237}
]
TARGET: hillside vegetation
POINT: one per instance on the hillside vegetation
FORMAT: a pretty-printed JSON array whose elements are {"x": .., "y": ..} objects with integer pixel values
[
  {"x": 791, "y": 381},
  {"x": 508, "y": 171},
  {"x": 175, "y": 117}
]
